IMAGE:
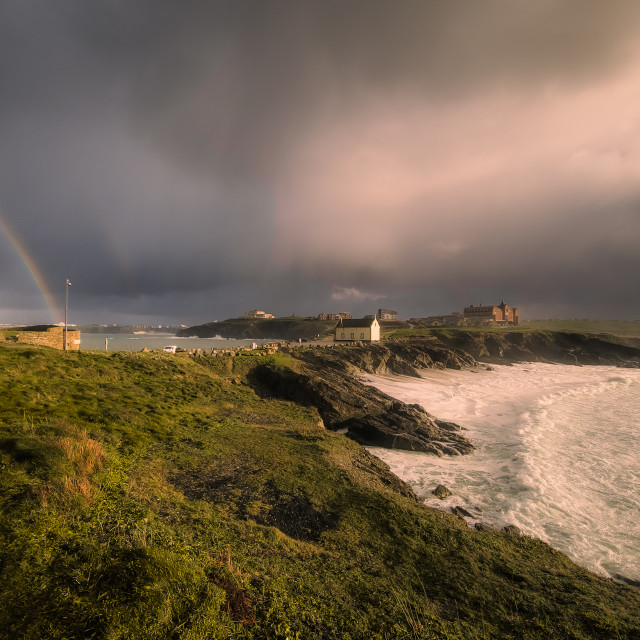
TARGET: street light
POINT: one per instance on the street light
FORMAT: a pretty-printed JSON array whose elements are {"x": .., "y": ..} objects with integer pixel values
[{"x": 66, "y": 311}]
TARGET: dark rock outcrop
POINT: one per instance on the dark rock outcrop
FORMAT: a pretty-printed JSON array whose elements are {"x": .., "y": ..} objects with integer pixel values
[
  {"x": 362, "y": 412},
  {"x": 542, "y": 346},
  {"x": 441, "y": 492},
  {"x": 483, "y": 526},
  {"x": 512, "y": 529},
  {"x": 461, "y": 512},
  {"x": 624, "y": 580},
  {"x": 402, "y": 357}
]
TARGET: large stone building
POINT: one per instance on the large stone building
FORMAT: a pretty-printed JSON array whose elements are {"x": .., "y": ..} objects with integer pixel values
[
  {"x": 488, "y": 314},
  {"x": 358, "y": 329},
  {"x": 387, "y": 314}
]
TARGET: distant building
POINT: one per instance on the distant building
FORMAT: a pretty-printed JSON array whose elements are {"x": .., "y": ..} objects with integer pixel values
[
  {"x": 387, "y": 314},
  {"x": 392, "y": 325},
  {"x": 454, "y": 319},
  {"x": 358, "y": 329},
  {"x": 489, "y": 314},
  {"x": 254, "y": 313},
  {"x": 429, "y": 321},
  {"x": 334, "y": 316}
]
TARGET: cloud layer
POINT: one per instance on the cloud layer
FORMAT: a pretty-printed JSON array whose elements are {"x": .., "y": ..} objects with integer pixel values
[{"x": 187, "y": 164}]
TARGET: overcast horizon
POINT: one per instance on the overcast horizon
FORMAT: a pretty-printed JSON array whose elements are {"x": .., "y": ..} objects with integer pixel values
[{"x": 184, "y": 162}]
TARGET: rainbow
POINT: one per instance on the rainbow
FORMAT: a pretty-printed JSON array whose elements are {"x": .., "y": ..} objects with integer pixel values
[{"x": 31, "y": 266}]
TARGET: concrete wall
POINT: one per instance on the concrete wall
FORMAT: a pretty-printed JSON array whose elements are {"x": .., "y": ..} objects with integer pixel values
[{"x": 52, "y": 337}]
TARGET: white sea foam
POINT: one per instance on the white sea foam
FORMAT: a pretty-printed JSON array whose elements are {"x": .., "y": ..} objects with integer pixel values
[{"x": 557, "y": 454}]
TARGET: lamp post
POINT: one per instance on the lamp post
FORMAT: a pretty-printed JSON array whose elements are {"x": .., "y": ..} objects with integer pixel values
[{"x": 66, "y": 312}]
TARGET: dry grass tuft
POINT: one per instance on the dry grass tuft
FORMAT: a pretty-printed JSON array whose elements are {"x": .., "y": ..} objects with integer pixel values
[
  {"x": 79, "y": 484},
  {"x": 87, "y": 456},
  {"x": 43, "y": 493}
]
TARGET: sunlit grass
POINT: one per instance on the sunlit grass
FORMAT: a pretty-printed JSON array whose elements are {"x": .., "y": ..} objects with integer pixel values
[
  {"x": 612, "y": 327},
  {"x": 152, "y": 496}
]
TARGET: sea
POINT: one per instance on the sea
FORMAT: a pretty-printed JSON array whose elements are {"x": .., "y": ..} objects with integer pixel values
[
  {"x": 558, "y": 454},
  {"x": 151, "y": 341}
]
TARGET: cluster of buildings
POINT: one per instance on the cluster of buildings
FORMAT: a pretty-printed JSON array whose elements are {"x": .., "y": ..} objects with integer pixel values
[
  {"x": 334, "y": 316},
  {"x": 348, "y": 329},
  {"x": 474, "y": 315},
  {"x": 382, "y": 314},
  {"x": 255, "y": 313},
  {"x": 369, "y": 328},
  {"x": 483, "y": 314}
]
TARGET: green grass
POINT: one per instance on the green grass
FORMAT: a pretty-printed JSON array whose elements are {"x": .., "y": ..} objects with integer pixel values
[
  {"x": 287, "y": 328},
  {"x": 150, "y": 496},
  {"x": 613, "y": 327},
  {"x": 622, "y": 328}
]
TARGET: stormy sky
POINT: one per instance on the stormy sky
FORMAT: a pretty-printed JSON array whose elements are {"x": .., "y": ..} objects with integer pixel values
[{"x": 185, "y": 161}]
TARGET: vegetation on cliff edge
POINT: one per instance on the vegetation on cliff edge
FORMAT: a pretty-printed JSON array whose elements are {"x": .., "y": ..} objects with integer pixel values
[{"x": 153, "y": 496}]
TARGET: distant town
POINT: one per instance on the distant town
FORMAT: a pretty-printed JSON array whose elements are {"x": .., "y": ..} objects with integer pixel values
[
  {"x": 369, "y": 328},
  {"x": 473, "y": 315}
]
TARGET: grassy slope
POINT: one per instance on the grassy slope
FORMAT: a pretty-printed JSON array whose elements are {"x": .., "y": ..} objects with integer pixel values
[
  {"x": 157, "y": 496},
  {"x": 613, "y": 327}
]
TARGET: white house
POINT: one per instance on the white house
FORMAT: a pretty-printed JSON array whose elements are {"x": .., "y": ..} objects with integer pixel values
[
  {"x": 365, "y": 329},
  {"x": 256, "y": 313}
]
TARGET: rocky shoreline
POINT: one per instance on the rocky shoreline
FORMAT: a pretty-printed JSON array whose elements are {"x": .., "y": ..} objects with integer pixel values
[{"x": 328, "y": 379}]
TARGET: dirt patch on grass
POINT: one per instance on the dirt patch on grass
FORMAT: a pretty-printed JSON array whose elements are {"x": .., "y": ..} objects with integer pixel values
[
  {"x": 230, "y": 481},
  {"x": 294, "y": 514},
  {"x": 238, "y": 483},
  {"x": 238, "y": 607}
]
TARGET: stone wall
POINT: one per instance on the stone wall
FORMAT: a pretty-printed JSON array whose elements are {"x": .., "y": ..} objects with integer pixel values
[{"x": 51, "y": 337}]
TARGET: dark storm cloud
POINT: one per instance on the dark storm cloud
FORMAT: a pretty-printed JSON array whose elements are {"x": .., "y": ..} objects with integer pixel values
[{"x": 195, "y": 159}]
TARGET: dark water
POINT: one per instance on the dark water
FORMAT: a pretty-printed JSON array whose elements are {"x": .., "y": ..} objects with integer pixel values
[{"x": 151, "y": 341}]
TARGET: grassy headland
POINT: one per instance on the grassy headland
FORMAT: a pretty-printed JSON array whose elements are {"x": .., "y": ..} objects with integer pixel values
[
  {"x": 149, "y": 496},
  {"x": 622, "y": 328},
  {"x": 289, "y": 328}
]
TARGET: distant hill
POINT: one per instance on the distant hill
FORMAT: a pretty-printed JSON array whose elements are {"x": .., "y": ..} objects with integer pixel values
[
  {"x": 289, "y": 328},
  {"x": 125, "y": 328}
]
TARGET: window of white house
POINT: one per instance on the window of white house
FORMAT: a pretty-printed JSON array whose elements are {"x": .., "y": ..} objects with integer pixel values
[
  {"x": 352, "y": 336},
  {"x": 361, "y": 336},
  {"x": 342, "y": 335}
]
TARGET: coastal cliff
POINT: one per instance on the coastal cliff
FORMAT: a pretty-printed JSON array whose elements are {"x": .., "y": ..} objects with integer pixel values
[
  {"x": 328, "y": 380},
  {"x": 360, "y": 411},
  {"x": 541, "y": 346}
]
